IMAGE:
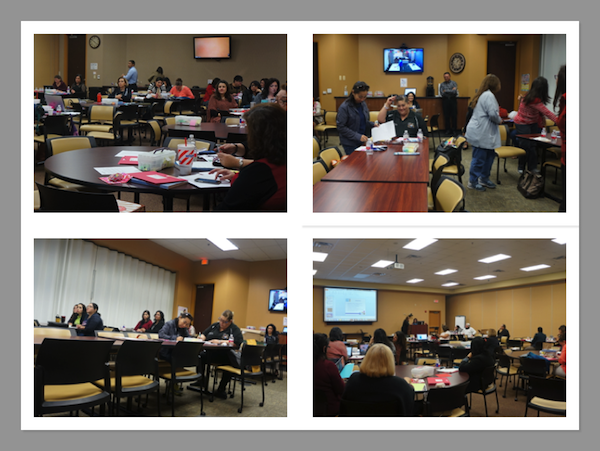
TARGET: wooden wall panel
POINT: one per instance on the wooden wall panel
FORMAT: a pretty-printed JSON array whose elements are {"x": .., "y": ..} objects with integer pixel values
[
  {"x": 559, "y": 308},
  {"x": 522, "y": 312},
  {"x": 504, "y": 309},
  {"x": 541, "y": 309},
  {"x": 489, "y": 319}
]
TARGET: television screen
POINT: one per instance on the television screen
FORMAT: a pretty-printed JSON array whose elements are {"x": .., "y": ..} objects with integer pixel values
[
  {"x": 215, "y": 47},
  {"x": 349, "y": 305},
  {"x": 278, "y": 301},
  {"x": 405, "y": 61}
]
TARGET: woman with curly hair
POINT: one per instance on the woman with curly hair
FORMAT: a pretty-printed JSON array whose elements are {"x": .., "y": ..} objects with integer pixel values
[{"x": 221, "y": 100}]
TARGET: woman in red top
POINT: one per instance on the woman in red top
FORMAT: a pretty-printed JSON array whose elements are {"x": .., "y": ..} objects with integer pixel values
[
  {"x": 221, "y": 100},
  {"x": 145, "y": 323},
  {"x": 530, "y": 120},
  {"x": 560, "y": 98},
  {"x": 210, "y": 90},
  {"x": 337, "y": 348}
]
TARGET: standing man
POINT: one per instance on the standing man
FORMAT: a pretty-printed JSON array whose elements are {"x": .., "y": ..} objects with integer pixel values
[
  {"x": 131, "y": 76},
  {"x": 449, "y": 93}
]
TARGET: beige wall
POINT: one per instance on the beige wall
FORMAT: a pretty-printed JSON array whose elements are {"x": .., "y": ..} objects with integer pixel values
[
  {"x": 240, "y": 286},
  {"x": 359, "y": 57},
  {"x": 393, "y": 304},
  {"x": 253, "y": 57},
  {"x": 523, "y": 309}
]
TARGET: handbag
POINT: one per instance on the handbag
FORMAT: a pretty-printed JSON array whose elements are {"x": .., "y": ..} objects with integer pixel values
[{"x": 531, "y": 185}]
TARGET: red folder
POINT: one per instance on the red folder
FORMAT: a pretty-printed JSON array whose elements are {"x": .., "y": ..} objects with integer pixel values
[
  {"x": 155, "y": 177},
  {"x": 433, "y": 381},
  {"x": 129, "y": 159}
]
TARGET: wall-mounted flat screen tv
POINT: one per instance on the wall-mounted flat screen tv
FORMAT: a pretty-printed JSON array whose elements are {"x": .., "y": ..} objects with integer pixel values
[
  {"x": 212, "y": 47},
  {"x": 403, "y": 61},
  {"x": 278, "y": 301},
  {"x": 349, "y": 305}
]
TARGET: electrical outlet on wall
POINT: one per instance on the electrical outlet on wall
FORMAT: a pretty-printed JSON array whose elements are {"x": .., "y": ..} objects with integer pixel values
[{"x": 328, "y": 90}]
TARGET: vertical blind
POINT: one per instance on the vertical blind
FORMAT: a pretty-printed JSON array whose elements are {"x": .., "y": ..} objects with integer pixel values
[{"x": 67, "y": 272}]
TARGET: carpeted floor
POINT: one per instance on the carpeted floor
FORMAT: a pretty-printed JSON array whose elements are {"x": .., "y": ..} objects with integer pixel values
[{"x": 506, "y": 197}]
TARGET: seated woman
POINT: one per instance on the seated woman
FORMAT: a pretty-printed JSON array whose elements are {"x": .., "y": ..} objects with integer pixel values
[
  {"x": 379, "y": 336},
  {"x": 404, "y": 119},
  {"x": 377, "y": 381},
  {"x": 78, "y": 88},
  {"x": 210, "y": 90},
  {"x": 261, "y": 185},
  {"x": 269, "y": 94},
  {"x": 145, "y": 323},
  {"x": 401, "y": 346},
  {"x": 271, "y": 335},
  {"x": 159, "y": 322},
  {"x": 221, "y": 100},
  {"x": 474, "y": 364},
  {"x": 411, "y": 101},
  {"x": 251, "y": 94},
  {"x": 337, "y": 348},
  {"x": 59, "y": 84},
  {"x": 91, "y": 323},
  {"x": 121, "y": 91},
  {"x": 180, "y": 91},
  {"x": 174, "y": 330},
  {"x": 78, "y": 316},
  {"x": 445, "y": 335},
  {"x": 562, "y": 358},
  {"x": 326, "y": 377},
  {"x": 491, "y": 342}
]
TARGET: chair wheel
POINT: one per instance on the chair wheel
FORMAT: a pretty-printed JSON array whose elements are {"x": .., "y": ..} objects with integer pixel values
[
  {"x": 262, "y": 404},
  {"x": 240, "y": 410}
]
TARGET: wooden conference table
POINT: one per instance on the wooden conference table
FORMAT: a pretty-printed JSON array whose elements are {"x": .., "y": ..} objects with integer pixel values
[
  {"x": 382, "y": 182},
  {"x": 77, "y": 166},
  {"x": 220, "y": 129}
]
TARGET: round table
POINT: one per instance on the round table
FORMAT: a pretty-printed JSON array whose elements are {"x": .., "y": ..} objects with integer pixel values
[
  {"x": 77, "y": 166},
  {"x": 456, "y": 378}
]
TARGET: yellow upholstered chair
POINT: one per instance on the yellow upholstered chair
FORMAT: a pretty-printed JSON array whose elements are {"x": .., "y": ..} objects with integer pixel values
[
  {"x": 448, "y": 194},
  {"x": 505, "y": 151},
  {"x": 62, "y": 144},
  {"x": 155, "y": 133},
  {"x": 329, "y": 154},
  {"x": 165, "y": 112},
  {"x": 53, "y": 332},
  {"x": 373, "y": 115},
  {"x": 319, "y": 170},
  {"x": 170, "y": 120},
  {"x": 112, "y": 134},
  {"x": 329, "y": 123},
  {"x": 437, "y": 168},
  {"x": 316, "y": 148},
  {"x": 232, "y": 121},
  {"x": 100, "y": 119}
]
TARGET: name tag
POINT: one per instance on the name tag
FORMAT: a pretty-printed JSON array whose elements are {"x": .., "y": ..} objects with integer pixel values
[{"x": 411, "y": 125}]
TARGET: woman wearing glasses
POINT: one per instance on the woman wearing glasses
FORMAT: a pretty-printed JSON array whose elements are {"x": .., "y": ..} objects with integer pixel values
[{"x": 353, "y": 118}]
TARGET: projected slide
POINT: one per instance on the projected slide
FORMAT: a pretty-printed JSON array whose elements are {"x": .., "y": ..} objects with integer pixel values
[{"x": 350, "y": 305}]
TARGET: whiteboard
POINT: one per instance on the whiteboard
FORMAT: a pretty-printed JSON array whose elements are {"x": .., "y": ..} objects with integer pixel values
[{"x": 459, "y": 320}]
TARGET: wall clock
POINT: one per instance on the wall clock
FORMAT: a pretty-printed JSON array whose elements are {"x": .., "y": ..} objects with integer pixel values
[
  {"x": 94, "y": 41},
  {"x": 457, "y": 63}
]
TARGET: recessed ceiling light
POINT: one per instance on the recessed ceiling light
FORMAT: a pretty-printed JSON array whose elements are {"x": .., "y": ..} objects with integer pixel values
[
  {"x": 450, "y": 284},
  {"x": 495, "y": 258},
  {"x": 223, "y": 243},
  {"x": 446, "y": 271},
  {"x": 484, "y": 277},
  {"x": 382, "y": 264},
  {"x": 420, "y": 243},
  {"x": 314, "y": 271},
  {"x": 559, "y": 241},
  {"x": 362, "y": 276},
  {"x": 414, "y": 281},
  {"x": 535, "y": 268},
  {"x": 319, "y": 256}
]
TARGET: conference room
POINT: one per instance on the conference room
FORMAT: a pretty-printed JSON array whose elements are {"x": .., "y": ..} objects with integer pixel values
[
  {"x": 427, "y": 83},
  {"x": 439, "y": 308},
  {"x": 159, "y": 122},
  {"x": 187, "y": 328}
]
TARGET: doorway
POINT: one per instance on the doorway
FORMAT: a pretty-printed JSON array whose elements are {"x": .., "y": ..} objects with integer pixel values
[
  {"x": 434, "y": 321},
  {"x": 502, "y": 63},
  {"x": 77, "y": 45},
  {"x": 316, "y": 70},
  {"x": 203, "y": 306}
]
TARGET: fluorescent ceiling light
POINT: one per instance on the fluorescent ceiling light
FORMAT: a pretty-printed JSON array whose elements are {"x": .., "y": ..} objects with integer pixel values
[
  {"x": 319, "y": 256},
  {"x": 314, "y": 271},
  {"x": 449, "y": 284},
  {"x": 535, "y": 268},
  {"x": 223, "y": 243},
  {"x": 419, "y": 243},
  {"x": 362, "y": 276},
  {"x": 495, "y": 258},
  {"x": 382, "y": 264},
  {"x": 446, "y": 272},
  {"x": 484, "y": 277},
  {"x": 414, "y": 281},
  {"x": 559, "y": 241}
]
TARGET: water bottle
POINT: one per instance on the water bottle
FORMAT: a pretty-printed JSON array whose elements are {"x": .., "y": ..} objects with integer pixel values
[
  {"x": 420, "y": 135},
  {"x": 369, "y": 147},
  {"x": 231, "y": 339},
  {"x": 543, "y": 133},
  {"x": 242, "y": 122},
  {"x": 405, "y": 136},
  {"x": 99, "y": 98},
  {"x": 192, "y": 141}
]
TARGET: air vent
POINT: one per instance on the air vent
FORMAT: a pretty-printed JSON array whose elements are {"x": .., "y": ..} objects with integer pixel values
[
  {"x": 378, "y": 274},
  {"x": 319, "y": 244},
  {"x": 362, "y": 276},
  {"x": 413, "y": 256},
  {"x": 561, "y": 257},
  {"x": 498, "y": 270}
]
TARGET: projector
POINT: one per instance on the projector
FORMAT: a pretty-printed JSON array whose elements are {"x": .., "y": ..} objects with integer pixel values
[{"x": 398, "y": 266}]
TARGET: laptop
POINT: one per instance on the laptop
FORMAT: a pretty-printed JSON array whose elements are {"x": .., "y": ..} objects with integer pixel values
[
  {"x": 422, "y": 337},
  {"x": 363, "y": 348},
  {"x": 55, "y": 101},
  {"x": 349, "y": 351}
]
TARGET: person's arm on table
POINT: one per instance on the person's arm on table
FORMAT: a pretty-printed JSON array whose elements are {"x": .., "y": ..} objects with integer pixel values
[{"x": 229, "y": 161}]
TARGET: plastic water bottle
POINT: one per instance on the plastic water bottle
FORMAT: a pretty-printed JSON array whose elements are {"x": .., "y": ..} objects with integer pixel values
[
  {"x": 405, "y": 136},
  {"x": 231, "y": 339},
  {"x": 192, "y": 141},
  {"x": 420, "y": 135},
  {"x": 543, "y": 133},
  {"x": 369, "y": 147}
]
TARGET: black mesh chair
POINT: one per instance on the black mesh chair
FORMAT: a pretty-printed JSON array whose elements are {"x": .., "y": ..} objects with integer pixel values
[
  {"x": 371, "y": 409},
  {"x": 59, "y": 200},
  {"x": 447, "y": 402},
  {"x": 63, "y": 375},
  {"x": 530, "y": 367},
  {"x": 488, "y": 386}
]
